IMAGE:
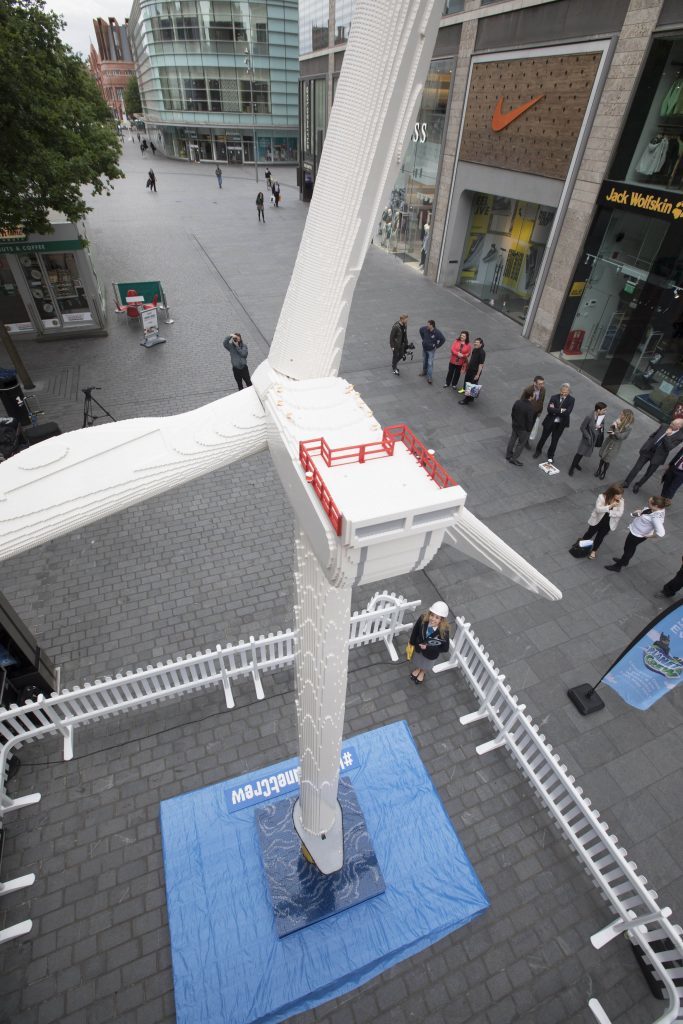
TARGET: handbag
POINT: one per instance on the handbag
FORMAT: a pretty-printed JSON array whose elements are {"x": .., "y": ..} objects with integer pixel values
[
  {"x": 535, "y": 429},
  {"x": 581, "y": 548},
  {"x": 410, "y": 650},
  {"x": 472, "y": 390}
]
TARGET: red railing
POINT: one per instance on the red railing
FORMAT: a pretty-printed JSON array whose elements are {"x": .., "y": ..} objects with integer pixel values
[
  {"x": 316, "y": 481},
  {"x": 364, "y": 453},
  {"x": 401, "y": 432}
]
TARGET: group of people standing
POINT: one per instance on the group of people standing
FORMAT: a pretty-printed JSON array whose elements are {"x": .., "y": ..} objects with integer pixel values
[
  {"x": 597, "y": 433},
  {"x": 465, "y": 358}
]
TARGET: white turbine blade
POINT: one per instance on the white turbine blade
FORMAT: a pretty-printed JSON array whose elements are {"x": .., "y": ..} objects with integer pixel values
[
  {"x": 384, "y": 70},
  {"x": 471, "y": 537},
  {"x": 65, "y": 482}
]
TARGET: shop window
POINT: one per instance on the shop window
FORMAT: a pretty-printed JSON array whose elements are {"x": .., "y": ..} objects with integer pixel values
[
  {"x": 405, "y": 224},
  {"x": 625, "y": 323},
  {"x": 12, "y": 309},
  {"x": 503, "y": 251},
  {"x": 650, "y": 152},
  {"x": 67, "y": 288}
]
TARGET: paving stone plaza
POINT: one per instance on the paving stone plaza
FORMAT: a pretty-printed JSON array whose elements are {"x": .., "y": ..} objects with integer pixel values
[{"x": 212, "y": 563}]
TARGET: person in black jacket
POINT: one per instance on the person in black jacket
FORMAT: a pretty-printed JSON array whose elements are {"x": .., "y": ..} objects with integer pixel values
[
  {"x": 430, "y": 638},
  {"x": 556, "y": 421},
  {"x": 673, "y": 585},
  {"x": 398, "y": 340},
  {"x": 475, "y": 365},
  {"x": 523, "y": 417},
  {"x": 654, "y": 452}
]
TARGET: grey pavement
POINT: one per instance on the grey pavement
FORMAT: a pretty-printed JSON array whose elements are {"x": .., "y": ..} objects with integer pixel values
[{"x": 171, "y": 576}]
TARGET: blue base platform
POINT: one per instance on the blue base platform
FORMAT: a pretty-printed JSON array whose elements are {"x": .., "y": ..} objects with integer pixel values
[
  {"x": 230, "y": 967},
  {"x": 300, "y": 895}
]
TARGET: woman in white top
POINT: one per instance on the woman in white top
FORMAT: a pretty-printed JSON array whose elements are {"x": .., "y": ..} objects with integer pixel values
[
  {"x": 647, "y": 523},
  {"x": 609, "y": 508}
]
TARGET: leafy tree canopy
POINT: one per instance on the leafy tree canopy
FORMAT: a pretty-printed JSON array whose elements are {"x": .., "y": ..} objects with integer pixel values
[
  {"x": 131, "y": 97},
  {"x": 57, "y": 135}
]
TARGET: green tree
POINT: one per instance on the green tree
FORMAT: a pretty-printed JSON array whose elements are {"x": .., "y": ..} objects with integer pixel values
[
  {"x": 131, "y": 97},
  {"x": 57, "y": 135}
]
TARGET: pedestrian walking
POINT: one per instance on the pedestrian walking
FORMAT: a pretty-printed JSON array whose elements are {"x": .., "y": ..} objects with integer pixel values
[
  {"x": 151, "y": 181},
  {"x": 430, "y": 638},
  {"x": 219, "y": 176},
  {"x": 592, "y": 435},
  {"x": 608, "y": 510},
  {"x": 556, "y": 421},
  {"x": 153, "y": 148},
  {"x": 646, "y": 524},
  {"x": 276, "y": 193},
  {"x": 475, "y": 365},
  {"x": 238, "y": 357},
  {"x": 522, "y": 421},
  {"x": 460, "y": 353},
  {"x": 142, "y": 149},
  {"x": 267, "y": 176},
  {"x": 398, "y": 340},
  {"x": 537, "y": 401},
  {"x": 617, "y": 433},
  {"x": 654, "y": 452},
  {"x": 431, "y": 340},
  {"x": 138, "y": 136},
  {"x": 673, "y": 475},
  {"x": 673, "y": 585},
  {"x": 259, "y": 207}
]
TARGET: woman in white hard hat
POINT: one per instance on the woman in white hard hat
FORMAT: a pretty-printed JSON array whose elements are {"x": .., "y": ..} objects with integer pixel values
[{"x": 430, "y": 638}]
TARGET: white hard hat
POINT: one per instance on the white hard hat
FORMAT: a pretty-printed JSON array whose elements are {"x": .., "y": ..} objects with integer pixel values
[{"x": 440, "y": 608}]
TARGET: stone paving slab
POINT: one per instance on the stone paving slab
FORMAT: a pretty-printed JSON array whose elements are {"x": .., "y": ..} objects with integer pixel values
[{"x": 172, "y": 576}]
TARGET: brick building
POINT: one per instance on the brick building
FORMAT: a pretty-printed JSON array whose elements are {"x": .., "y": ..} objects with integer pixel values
[{"x": 111, "y": 63}]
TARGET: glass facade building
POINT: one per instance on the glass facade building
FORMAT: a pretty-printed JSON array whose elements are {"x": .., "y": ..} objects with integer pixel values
[
  {"x": 622, "y": 322},
  {"x": 219, "y": 79}
]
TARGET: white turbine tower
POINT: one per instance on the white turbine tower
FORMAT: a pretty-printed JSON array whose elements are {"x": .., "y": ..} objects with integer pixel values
[{"x": 380, "y": 507}]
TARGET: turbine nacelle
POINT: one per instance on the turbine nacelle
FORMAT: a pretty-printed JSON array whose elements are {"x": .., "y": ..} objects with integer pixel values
[{"x": 373, "y": 503}]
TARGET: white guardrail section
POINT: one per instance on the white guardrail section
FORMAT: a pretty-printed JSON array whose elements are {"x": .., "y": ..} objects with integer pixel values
[
  {"x": 61, "y": 714},
  {"x": 639, "y": 915}
]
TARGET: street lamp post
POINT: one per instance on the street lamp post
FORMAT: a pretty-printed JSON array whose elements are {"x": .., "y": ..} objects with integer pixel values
[{"x": 250, "y": 72}]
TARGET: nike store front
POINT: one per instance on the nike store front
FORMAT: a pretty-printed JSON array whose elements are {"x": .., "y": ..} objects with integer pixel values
[
  {"x": 622, "y": 320},
  {"x": 525, "y": 120}
]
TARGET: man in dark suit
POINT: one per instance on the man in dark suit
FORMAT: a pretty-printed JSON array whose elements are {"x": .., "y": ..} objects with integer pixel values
[
  {"x": 538, "y": 399},
  {"x": 654, "y": 452},
  {"x": 673, "y": 475},
  {"x": 556, "y": 421}
]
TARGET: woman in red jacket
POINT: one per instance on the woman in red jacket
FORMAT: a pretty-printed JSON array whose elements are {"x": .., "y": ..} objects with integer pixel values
[{"x": 460, "y": 353}]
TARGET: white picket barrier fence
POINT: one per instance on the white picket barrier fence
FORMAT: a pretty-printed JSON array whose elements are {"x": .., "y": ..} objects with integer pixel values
[
  {"x": 59, "y": 715},
  {"x": 638, "y": 913}
]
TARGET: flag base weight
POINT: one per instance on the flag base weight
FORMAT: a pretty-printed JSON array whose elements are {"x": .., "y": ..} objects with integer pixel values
[{"x": 585, "y": 699}]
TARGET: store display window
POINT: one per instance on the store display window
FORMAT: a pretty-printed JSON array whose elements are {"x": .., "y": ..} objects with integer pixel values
[
  {"x": 405, "y": 224},
  {"x": 504, "y": 247},
  {"x": 650, "y": 152},
  {"x": 13, "y": 312},
  {"x": 627, "y": 328}
]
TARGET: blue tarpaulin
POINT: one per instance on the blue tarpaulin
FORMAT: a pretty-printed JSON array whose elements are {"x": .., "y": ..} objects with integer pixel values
[{"x": 229, "y": 967}]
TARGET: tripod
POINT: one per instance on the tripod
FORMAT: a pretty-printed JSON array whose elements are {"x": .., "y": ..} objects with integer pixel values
[{"x": 89, "y": 414}]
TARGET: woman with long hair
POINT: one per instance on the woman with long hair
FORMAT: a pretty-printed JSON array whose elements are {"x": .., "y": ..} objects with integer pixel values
[
  {"x": 646, "y": 524},
  {"x": 608, "y": 510},
  {"x": 617, "y": 433},
  {"x": 430, "y": 638}
]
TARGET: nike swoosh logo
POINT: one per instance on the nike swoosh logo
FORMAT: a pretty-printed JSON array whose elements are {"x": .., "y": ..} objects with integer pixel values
[{"x": 499, "y": 120}]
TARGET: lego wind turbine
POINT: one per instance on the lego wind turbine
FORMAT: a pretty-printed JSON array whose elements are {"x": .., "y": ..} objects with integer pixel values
[{"x": 369, "y": 503}]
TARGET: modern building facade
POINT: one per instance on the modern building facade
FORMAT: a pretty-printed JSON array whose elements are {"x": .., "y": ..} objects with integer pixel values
[
  {"x": 111, "y": 64},
  {"x": 219, "y": 79},
  {"x": 544, "y": 175}
]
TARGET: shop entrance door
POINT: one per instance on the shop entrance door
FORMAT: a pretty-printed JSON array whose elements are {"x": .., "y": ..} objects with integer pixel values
[{"x": 57, "y": 290}]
